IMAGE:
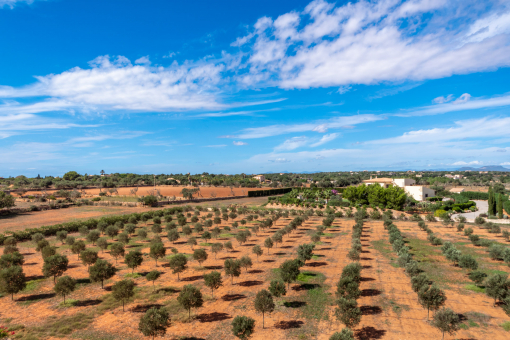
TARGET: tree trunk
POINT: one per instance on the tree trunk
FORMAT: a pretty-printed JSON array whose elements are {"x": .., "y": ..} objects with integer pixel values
[
  {"x": 122, "y": 304},
  {"x": 64, "y": 299},
  {"x": 262, "y": 320}
]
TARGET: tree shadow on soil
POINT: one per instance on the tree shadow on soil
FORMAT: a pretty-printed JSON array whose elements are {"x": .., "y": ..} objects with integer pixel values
[
  {"x": 170, "y": 290},
  {"x": 192, "y": 278},
  {"x": 227, "y": 257},
  {"x": 273, "y": 254},
  {"x": 233, "y": 297},
  {"x": 366, "y": 258},
  {"x": 36, "y": 297},
  {"x": 87, "y": 303},
  {"x": 83, "y": 281},
  {"x": 316, "y": 264},
  {"x": 370, "y": 310},
  {"x": 294, "y": 304},
  {"x": 34, "y": 277},
  {"x": 213, "y": 317},
  {"x": 213, "y": 267},
  {"x": 305, "y": 286},
  {"x": 365, "y": 279},
  {"x": 249, "y": 283},
  {"x": 365, "y": 252},
  {"x": 369, "y": 333},
  {"x": 289, "y": 324},
  {"x": 268, "y": 261},
  {"x": 285, "y": 247},
  {"x": 370, "y": 292},
  {"x": 255, "y": 271},
  {"x": 144, "y": 308},
  {"x": 366, "y": 267},
  {"x": 324, "y": 249}
]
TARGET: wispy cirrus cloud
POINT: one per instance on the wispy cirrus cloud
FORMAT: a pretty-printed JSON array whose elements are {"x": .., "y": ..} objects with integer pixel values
[
  {"x": 462, "y": 103},
  {"x": 462, "y": 130},
  {"x": 12, "y": 3},
  {"x": 317, "y": 126}
]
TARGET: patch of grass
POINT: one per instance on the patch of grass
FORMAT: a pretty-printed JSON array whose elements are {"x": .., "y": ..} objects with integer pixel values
[
  {"x": 68, "y": 303},
  {"x": 133, "y": 275},
  {"x": 474, "y": 318},
  {"x": 474, "y": 288},
  {"x": 227, "y": 235},
  {"x": 205, "y": 244},
  {"x": 310, "y": 277},
  {"x": 397, "y": 309},
  {"x": 506, "y": 326},
  {"x": 33, "y": 285},
  {"x": 317, "y": 300},
  {"x": 58, "y": 326}
]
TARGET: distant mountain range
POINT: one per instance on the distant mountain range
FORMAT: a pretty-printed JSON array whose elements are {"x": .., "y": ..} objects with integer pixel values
[{"x": 485, "y": 168}]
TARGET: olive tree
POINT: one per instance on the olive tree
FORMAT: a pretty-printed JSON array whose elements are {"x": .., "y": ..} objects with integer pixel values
[
  {"x": 447, "y": 321},
  {"x": 64, "y": 286},
  {"x": 213, "y": 281},
  {"x": 154, "y": 322},
  {"x": 178, "y": 264},
  {"x": 243, "y": 327},
  {"x": 190, "y": 297},
  {"x": 264, "y": 303}
]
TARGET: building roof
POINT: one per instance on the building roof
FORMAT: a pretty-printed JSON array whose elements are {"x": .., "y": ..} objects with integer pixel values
[{"x": 379, "y": 180}]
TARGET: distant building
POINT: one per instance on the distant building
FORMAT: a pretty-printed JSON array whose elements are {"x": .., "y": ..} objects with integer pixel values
[{"x": 260, "y": 178}]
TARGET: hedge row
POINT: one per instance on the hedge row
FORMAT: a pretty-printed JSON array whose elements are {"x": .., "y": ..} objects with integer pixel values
[
  {"x": 270, "y": 192},
  {"x": 92, "y": 223},
  {"x": 475, "y": 195}
]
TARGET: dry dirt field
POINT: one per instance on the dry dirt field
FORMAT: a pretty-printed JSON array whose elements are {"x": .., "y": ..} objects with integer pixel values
[
  {"x": 37, "y": 219},
  {"x": 167, "y": 191},
  {"x": 390, "y": 307}
]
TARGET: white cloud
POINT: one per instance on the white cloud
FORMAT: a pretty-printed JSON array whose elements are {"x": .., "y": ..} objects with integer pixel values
[
  {"x": 443, "y": 99},
  {"x": 239, "y": 143},
  {"x": 15, "y": 124},
  {"x": 143, "y": 61},
  {"x": 366, "y": 43},
  {"x": 293, "y": 143},
  {"x": 12, "y": 3},
  {"x": 463, "y": 130},
  {"x": 115, "y": 84},
  {"x": 170, "y": 55},
  {"x": 279, "y": 160},
  {"x": 462, "y": 103},
  {"x": 317, "y": 126},
  {"x": 468, "y": 163},
  {"x": 344, "y": 89},
  {"x": 490, "y": 26},
  {"x": 505, "y": 163},
  {"x": 326, "y": 139},
  {"x": 216, "y": 146},
  {"x": 462, "y": 99}
]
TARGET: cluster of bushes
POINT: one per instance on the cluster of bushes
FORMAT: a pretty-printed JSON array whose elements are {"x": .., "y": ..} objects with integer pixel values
[
  {"x": 347, "y": 292},
  {"x": 392, "y": 197},
  {"x": 357, "y": 229}
]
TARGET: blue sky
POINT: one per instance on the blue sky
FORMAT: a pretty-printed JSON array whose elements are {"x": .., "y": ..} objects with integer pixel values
[{"x": 252, "y": 86}]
